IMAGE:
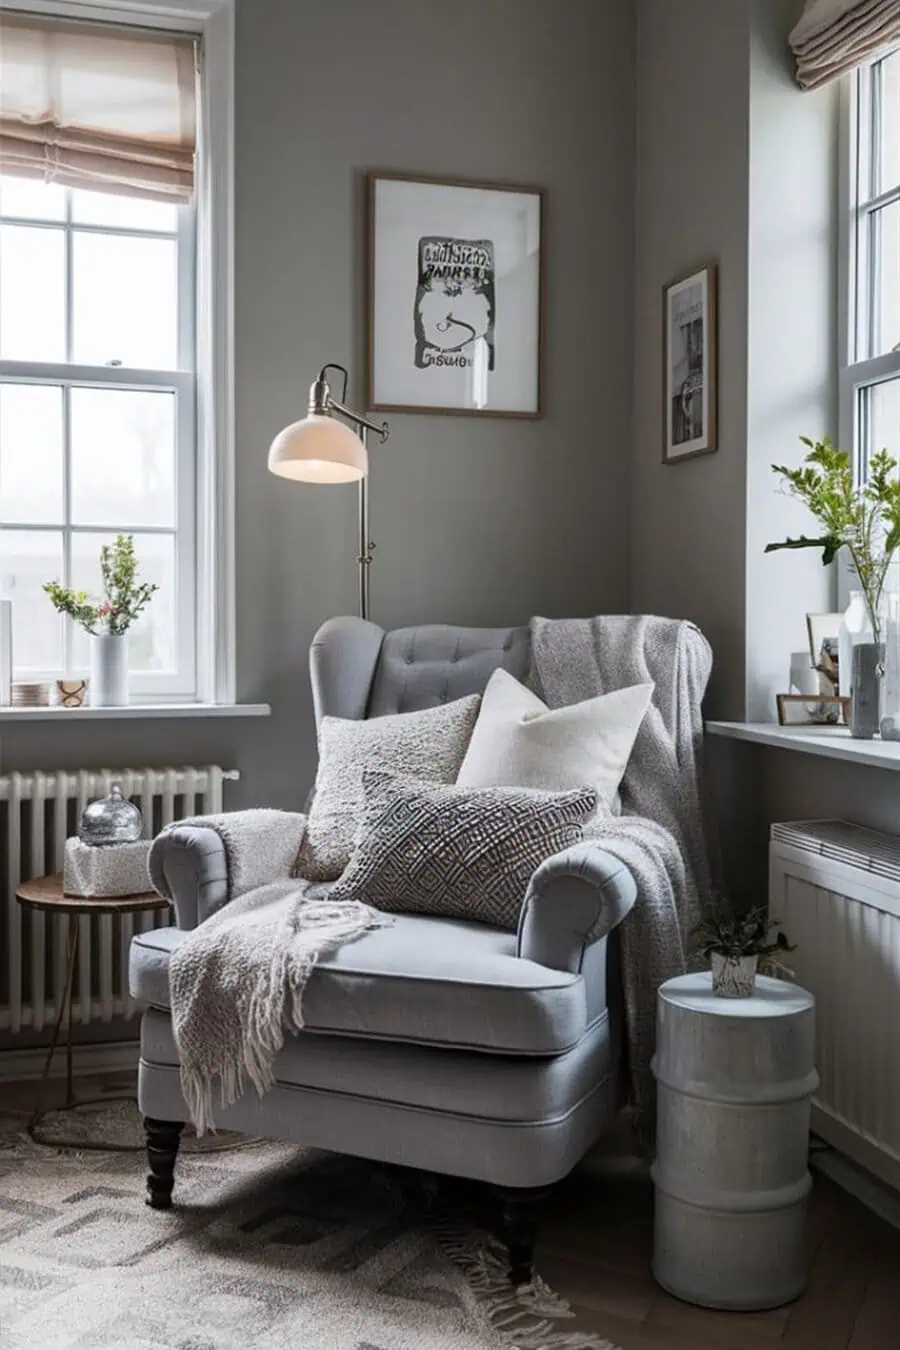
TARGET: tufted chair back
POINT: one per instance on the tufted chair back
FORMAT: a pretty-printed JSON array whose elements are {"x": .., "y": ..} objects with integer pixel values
[{"x": 358, "y": 670}]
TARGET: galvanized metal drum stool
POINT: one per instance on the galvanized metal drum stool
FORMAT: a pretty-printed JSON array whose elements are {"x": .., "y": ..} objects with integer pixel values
[{"x": 734, "y": 1081}]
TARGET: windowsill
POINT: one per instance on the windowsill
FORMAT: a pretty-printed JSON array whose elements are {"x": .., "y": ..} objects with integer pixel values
[
  {"x": 828, "y": 742},
  {"x": 135, "y": 712}
]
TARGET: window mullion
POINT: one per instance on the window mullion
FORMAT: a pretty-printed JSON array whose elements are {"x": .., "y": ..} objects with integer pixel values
[{"x": 67, "y": 518}]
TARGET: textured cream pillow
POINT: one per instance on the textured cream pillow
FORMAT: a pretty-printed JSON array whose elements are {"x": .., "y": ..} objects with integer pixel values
[
  {"x": 427, "y": 745},
  {"x": 519, "y": 742}
]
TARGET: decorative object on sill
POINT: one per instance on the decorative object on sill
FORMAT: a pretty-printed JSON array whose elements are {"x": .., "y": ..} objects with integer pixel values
[
  {"x": 823, "y": 631},
  {"x": 864, "y": 518},
  {"x": 865, "y": 690},
  {"x": 804, "y": 678},
  {"x": 28, "y": 694},
  {"x": 118, "y": 870},
  {"x": 71, "y": 693},
  {"x": 5, "y": 651},
  {"x": 855, "y": 627},
  {"x": 320, "y": 449},
  {"x": 742, "y": 943},
  {"x": 734, "y": 1081},
  {"x": 455, "y": 321},
  {"x": 799, "y": 710},
  {"x": 690, "y": 349},
  {"x": 110, "y": 820},
  {"x": 107, "y": 621},
  {"x": 890, "y": 685}
]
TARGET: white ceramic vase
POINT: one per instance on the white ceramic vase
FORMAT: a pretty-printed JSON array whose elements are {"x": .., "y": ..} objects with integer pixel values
[
  {"x": 109, "y": 670},
  {"x": 734, "y": 976}
]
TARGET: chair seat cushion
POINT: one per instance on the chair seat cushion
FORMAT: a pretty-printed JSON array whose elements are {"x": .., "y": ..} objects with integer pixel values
[{"x": 439, "y": 982}]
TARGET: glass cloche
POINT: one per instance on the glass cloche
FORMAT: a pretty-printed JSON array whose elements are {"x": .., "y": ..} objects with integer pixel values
[{"x": 110, "y": 820}]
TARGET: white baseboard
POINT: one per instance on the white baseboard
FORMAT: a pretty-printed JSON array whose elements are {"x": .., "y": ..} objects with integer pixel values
[
  {"x": 869, "y": 1189},
  {"x": 103, "y": 1057}
]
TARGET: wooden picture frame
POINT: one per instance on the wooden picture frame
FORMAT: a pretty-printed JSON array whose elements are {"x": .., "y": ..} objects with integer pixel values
[
  {"x": 455, "y": 304},
  {"x": 811, "y": 710},
  {"x": 690, "y": 365}
]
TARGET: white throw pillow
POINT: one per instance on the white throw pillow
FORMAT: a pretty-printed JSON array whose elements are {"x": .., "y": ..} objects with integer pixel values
[
  {"x": 519, "y": 742},
  {"x": 427, "y": 745}
]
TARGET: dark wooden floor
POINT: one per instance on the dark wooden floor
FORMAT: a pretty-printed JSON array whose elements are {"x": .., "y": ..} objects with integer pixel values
[{"x": 594, "y": 1249}]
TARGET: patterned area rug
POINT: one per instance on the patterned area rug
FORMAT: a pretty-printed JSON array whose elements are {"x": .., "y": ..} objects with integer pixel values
[{"x": 268, "y": 1247}]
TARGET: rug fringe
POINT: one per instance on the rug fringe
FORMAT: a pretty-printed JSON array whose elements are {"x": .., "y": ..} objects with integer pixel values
[{"x": 523, "y": 1317}]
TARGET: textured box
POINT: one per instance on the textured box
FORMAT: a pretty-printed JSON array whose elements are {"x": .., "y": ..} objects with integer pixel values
[{"x": 110, "y": 870}]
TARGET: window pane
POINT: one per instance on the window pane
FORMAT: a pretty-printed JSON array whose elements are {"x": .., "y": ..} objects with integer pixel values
[
  {"x": 129, "y": 213},
  {"x": 884, "y": 228},
  {"x": 151, "y": 643},
  {"x": 32, "y": 294},
  {"x": 123, "y": 457},
  {"x": 125, "y": 301},
  {"x": 884, "y": 417},
  {"x": 888, "y": 169},
  {"x": 31, "y": 454},
  {"x": 28, "y": 558},
  {"x": 31, "y": 199}
]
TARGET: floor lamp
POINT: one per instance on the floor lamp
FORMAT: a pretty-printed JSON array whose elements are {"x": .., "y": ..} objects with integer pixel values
[{"x": 321, "y": 449}]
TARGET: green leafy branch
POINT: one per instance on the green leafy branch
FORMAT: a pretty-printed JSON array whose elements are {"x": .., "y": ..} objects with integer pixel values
[
  {"x": 864, "y": 519},
  {"x": 124, "y": 596}
]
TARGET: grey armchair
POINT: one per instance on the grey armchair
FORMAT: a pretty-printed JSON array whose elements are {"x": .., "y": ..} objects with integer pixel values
[{"x": 434, "y": 1043}]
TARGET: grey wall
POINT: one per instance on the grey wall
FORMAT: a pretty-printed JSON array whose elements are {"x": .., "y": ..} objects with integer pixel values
[
  {"x": 476, "y": 521},
  {"x": 687, "y": 542},
  {"x": 792, "y": 342}
]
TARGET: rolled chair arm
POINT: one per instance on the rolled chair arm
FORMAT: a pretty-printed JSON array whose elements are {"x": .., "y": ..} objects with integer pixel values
[
  {"x": 188, "y": 865},
  {"x": 575, "y": 898}
]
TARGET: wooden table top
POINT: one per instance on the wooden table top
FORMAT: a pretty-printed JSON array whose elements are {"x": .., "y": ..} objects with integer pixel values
[{"x": 47, "y": 893}]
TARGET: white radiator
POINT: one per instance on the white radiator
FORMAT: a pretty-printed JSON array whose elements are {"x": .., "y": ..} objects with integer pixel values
[
  {"x": 836, "y": 889},
  {"x": 38, "y": 811}
]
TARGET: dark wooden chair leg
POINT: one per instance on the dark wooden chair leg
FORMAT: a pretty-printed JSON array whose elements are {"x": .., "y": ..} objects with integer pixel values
[
  {"x": 163, "y": 1138},
  {"x": 519, "y": 1215}
]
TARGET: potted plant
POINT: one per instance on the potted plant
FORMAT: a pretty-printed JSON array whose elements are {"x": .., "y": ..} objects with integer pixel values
[
  {"x": 865, "y": 519},
  {"x": 109, "y": 619},
  {"x": 739, "y": 945}
]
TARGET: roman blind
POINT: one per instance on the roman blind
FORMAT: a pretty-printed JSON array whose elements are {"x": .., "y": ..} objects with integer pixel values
[
  {"x": 98, "y": 107},
  {"x": 835, "y": 36}
]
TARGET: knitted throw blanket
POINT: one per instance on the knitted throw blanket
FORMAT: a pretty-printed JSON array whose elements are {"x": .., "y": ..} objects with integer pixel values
[
  {"x": 238, "y": 979},
  {"x": 659, "y": 835}
]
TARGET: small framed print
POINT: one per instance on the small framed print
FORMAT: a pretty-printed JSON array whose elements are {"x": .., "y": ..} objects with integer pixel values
[
  {"x": 455, "y": 297},
  {"x": 803, "y": 710},
  {"x": 689, "y": 365}
]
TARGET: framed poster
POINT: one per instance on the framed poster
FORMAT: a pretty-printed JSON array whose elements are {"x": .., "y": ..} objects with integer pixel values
[
  {"x": 689, "y": 365},
  {"x": 455, "y": 304}
]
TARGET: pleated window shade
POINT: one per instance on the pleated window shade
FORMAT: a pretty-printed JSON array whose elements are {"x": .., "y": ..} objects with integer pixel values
[
  {"x": 96, "y": 107},
  {"x": 835, "y": 36}
]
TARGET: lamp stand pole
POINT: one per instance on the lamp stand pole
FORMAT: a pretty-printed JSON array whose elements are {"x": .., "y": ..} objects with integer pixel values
[{"x": 365, "y": 544}]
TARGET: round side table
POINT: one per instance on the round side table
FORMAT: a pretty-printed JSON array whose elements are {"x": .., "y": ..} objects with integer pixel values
[
  {"x": 734, "y": 1081},
  {"x": 46, "y": 894}
]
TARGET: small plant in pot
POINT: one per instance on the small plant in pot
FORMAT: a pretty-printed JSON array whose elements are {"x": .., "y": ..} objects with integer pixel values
[
  {"x": 108, "y": 620},
  {"x": 739, "y": 945}
]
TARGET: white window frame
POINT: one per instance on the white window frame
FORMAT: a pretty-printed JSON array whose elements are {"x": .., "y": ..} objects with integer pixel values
[
  {"x": 206, "y": 471},
  {"x": 858, "y": 299},
  {"x": 181, "y": 382}
]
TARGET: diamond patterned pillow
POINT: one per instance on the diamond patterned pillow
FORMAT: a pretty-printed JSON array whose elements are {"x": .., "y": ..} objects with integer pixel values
[{"x": 464, "y": 853}]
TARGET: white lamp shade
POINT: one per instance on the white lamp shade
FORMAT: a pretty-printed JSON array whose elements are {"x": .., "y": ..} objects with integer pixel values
[{"x": 318, "y": 450}]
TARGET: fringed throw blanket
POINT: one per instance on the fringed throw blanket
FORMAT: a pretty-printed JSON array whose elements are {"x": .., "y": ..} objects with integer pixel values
[
  {"x": 239, "y": 980},
  {"x": 660, "y": 834}
]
